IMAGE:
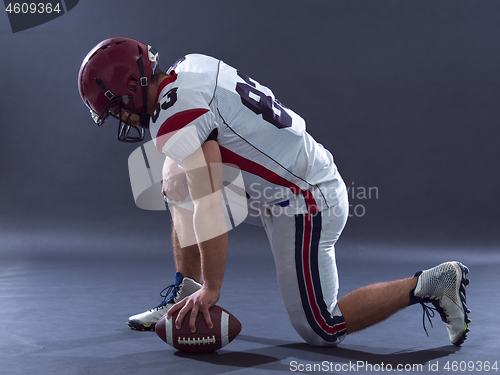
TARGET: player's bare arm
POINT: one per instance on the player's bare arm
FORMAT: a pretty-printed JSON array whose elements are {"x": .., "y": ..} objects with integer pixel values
[{"x": 204, "y": 176}]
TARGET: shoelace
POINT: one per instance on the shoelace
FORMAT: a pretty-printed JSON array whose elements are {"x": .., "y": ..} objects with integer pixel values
[
  {"x": 169, "y": 295},
  {"x": 430, "y": 312}
]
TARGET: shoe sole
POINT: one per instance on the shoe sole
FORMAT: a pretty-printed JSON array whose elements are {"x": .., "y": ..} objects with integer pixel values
[
  {"x": 463, "y": 283},
  {"x": 140, "y": 327}
]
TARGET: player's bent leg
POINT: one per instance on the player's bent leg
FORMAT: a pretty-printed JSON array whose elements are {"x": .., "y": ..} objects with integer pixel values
[
  {"x": 183, "y": 287},
  {"x": 304, "y": 252}
]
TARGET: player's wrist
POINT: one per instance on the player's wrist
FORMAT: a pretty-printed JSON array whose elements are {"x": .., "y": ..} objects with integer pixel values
[{"x": 212, "y": 287}]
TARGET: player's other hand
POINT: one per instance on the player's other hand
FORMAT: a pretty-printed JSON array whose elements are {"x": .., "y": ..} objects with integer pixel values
[
  {"x": 201, "y": 301},
  {"x": 175, "y": 188}
]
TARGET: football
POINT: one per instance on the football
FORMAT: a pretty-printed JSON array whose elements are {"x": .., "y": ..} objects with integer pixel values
[{"x": 204, "y": 340}]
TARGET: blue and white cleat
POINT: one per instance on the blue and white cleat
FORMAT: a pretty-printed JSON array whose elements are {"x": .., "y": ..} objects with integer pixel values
[
  {"x": 444, "y": 287},
  {"x": 183, "y": 287}
]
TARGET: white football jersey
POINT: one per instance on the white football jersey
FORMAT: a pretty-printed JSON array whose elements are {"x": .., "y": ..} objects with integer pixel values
[{"x": 280, "y": 162}]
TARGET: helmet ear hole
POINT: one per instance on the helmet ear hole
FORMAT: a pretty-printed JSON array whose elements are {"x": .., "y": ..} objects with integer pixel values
[{"x": 132, "y": 85}]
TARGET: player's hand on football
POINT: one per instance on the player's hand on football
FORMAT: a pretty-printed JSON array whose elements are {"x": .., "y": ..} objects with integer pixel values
[
  {"x": 175, "y": 188},
  {"x": 200, "y": 301}
]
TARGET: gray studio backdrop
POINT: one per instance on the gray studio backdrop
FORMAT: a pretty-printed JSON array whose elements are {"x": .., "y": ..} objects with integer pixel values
[{"x": 404, "y": 93}]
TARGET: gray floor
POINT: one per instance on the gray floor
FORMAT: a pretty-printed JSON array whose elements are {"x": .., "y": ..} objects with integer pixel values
[{"x": 67, "y": 313}]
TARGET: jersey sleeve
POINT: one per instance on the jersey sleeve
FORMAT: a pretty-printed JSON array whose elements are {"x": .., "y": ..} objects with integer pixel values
[{"x": 184, "y": 125}]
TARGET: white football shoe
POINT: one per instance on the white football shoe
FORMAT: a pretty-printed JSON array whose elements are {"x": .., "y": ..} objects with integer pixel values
[
  {"x": 444, "y": 287},
  {"x": 183, "y": 287}
]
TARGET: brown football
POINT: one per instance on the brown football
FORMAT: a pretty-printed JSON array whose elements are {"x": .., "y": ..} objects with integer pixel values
[{"x": 204, "y": 340}]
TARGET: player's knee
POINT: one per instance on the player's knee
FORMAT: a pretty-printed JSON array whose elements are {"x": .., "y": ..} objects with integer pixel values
[{"x": 313, "y": 338}]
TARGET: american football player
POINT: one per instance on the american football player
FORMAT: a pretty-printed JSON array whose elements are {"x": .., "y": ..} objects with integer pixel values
[{"x": 204, "y": 114}]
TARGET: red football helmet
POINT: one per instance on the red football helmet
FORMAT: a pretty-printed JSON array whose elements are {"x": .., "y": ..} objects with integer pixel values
[{"x": 103, "y": 83}]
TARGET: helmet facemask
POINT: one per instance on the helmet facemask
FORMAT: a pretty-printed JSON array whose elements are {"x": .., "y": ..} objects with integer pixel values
[{"x": 117, "y": 108}]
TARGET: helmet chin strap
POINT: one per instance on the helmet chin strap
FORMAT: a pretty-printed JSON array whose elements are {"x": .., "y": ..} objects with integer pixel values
[{"x": 144, "y": 116}]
